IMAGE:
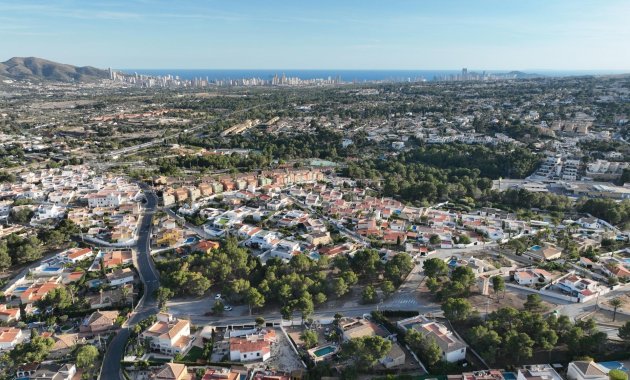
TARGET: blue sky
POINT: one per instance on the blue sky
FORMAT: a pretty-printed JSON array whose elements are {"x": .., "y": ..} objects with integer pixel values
[{"x": 321, "y": 34}]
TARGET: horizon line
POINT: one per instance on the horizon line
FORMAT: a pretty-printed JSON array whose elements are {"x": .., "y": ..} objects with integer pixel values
[{"x": 365, "y": 69}]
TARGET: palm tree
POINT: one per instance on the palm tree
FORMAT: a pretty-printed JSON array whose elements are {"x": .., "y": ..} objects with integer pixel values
[
  {"x": 124, "y": 291},
  {"x": 615, "y": 303}
]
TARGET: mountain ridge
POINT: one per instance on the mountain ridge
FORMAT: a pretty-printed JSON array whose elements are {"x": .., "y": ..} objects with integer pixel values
[{"x": 39, "y": 69}]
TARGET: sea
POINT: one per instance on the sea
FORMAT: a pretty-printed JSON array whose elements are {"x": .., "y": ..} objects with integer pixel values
[{"x": 345, "y": 75}]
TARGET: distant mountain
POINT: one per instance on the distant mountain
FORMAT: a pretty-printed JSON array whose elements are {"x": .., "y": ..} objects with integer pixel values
[
  {"x": 522, "y": 75},
  {"x": 37, "y": 69}
]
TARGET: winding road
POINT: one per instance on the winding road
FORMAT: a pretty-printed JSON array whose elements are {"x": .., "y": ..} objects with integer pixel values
[{"x": 147, "y": 306}]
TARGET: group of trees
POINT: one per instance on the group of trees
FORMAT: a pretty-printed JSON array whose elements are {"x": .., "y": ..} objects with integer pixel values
[
  {"x": 447, "y": 284},
  {"x": 366, "y": 351},
  {"x": 434, "y": 173},
  {"x": 509, "y": 334},
  {"x": 608, "y": 210},
  {"x": 194, "y": 275},
  {"x": 16, "y": 250},
  {"x": 60, "y": 234},
  {"x": 298, "y": 286}
]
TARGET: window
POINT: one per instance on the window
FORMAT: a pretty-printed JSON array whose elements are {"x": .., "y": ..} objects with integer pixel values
[{"x": 258, "y": 354}]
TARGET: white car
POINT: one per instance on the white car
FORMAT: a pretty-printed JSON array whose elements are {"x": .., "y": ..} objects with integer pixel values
[
  {"x": 227, "y": 308},
  {"x": 218, "y": 296}
]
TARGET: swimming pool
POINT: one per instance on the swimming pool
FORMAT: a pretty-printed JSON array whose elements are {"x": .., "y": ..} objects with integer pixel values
[
  {"x": 52, "y": 269},
  {"x": 190, "y": 240},
  {"x": 535, "y": 248},
  {"x": 324, "y": 351},
  {"x": 21, "y": 288},
  {"x": 614, "y": 365},
  {"x": 509, "y": 375},
  {"x": 315, "y": 256}
]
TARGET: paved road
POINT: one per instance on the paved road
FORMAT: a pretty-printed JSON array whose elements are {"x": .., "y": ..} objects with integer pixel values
[{"x": 148, "y": 304}]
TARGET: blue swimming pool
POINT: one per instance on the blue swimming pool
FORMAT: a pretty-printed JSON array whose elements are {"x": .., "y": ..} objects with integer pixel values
[
  {"x": 315, "y": 256},
  {"x": 509, "y": 375},
  {"x": 614, "y": 365},
  {"x": 535, "y": 248},
  {"x": 52, "y": 269},
  {"x": 324, "y": 351},
  {"x": 21, "y": 288},
  {"x": 190, "y": 240}
]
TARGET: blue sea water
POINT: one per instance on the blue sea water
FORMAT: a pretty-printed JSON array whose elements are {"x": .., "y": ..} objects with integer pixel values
[{"x": 345, "y": 75}]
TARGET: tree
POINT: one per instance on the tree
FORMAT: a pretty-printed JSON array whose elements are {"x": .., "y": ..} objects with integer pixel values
[
  {"x": 217, "y": 308},
  {"x": 22, "y": 215},
  {"x": 260, "y": 321},
  {"x": 125, "y": 291},
  {"x": 399, "y": 266},
  {"x": 615, "y": 303},
  {"x": 465, "y": 276},
  {"x": 435, "y": 267},
  {"x": 518, "y": 246},
  {"x": 5, "y": 259},
  {"x": 309, "y": 337},
  {"x": 431, "y": 352},
  {"x": 533, "y": 303},
  {"x": 435, "y": 239},
  {"x": 254, "y": 299},
  {"x": 366, "y": 350},
  {"x": 58, "y": 298},
  {"x": 163, "y": 294},
  {"x": 498, "y": 285},
  {"x": 36, "y": 350},
  {"x": 319, "y": 298},
  {"x": 433, "y": 285},
  {"x": 238, "y": 288},
  {"x": 456, "y": 309},
  {"x": 617, "y": 374},
  {"x": 306, "y": 306},
  {"x": 350, "y": 277},
  {"x": 487, "y": 342},
  {"x": 86, "y": 357},
  {"x": 369, "y": 295},
  {"x": 624, "y": 332},
  {"x": 388, "y": 288},
  {"x": 366, "y": 262},
  {"x": 301, "y": 263},
  {"x": 520, "y": 345},
  {"x": 339, "y": 287}
]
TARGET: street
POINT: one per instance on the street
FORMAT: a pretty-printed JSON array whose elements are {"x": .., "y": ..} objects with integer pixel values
[{"x": 148, "y": 303}]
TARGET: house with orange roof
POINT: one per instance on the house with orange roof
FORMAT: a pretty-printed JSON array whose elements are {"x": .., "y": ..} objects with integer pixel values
[
  {"x": 75, "y": 255},
  {"x": 619, "y": 271},
  {"x": 38, "y": 290},
  {"x": 169, "y": 335},
  {"x": 453, "y": 349},
  {"x": 99, "y": 322},
  {"x": 243, "y": 349},
  {"x": 532, "y": 276},
  {"x": 220, "y": 373},
  {"x": 112, "y": 259},
  {"x": 171, "y": 371},
  {"x": 9, "y": 315},
  {"x": 206, "y": 246},
  {"x": 9, "y": 337}
]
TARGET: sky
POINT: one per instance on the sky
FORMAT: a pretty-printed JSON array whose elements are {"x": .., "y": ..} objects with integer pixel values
[{"x": 321, "y": 34}]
